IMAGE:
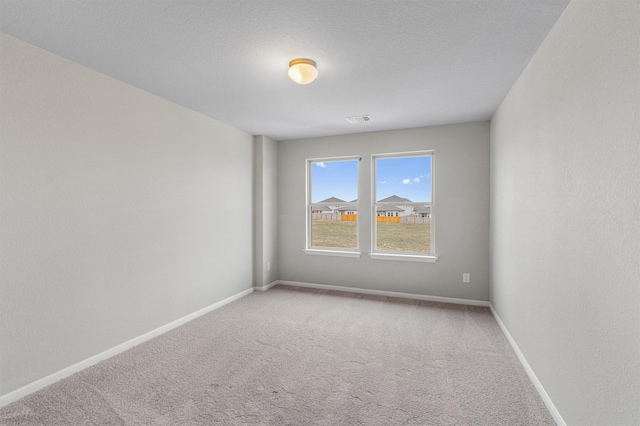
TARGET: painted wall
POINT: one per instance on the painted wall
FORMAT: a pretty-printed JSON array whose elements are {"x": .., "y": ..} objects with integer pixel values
[
  {"x": 565, "y": 213},
  {"x": 113, "y": 213},
  {"x": 266, "y": 211},
  {"x": 461, "y": 167}
]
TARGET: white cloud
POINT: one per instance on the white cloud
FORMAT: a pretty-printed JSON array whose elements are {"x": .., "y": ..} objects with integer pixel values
[
  {"x": 383, "y": 182},
  {"x": 321, "y": 164},
  {"x": 416, "y": 180},
  {"x": 406, "y": 181}
]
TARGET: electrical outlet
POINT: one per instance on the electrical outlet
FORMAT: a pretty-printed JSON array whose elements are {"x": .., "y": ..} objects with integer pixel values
[
  {"x": 268, "y": 266},
  {"x": 466, "y": 278}
]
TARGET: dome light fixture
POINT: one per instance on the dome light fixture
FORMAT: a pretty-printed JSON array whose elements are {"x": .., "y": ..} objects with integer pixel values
[{"x": 302, "y": 70}]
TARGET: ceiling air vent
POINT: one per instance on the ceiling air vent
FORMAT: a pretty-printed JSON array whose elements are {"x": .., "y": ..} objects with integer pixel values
[{"x": 359, "y": 119}]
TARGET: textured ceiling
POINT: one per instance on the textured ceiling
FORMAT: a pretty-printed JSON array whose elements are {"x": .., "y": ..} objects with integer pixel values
[{"x": 405, "y": 63}]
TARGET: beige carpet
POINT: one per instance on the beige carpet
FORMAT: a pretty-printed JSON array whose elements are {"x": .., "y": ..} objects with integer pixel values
[{"x": 292, "y": 356}]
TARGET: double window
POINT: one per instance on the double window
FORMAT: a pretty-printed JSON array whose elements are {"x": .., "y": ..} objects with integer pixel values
[{"x": 401, "y": 211}]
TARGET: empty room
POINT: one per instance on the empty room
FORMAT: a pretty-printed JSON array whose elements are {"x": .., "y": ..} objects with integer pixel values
[{"x": 320, "y": 212}]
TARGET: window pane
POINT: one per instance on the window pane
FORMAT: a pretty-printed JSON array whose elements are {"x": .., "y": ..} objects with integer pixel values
[
  {"x": 400, "y": 182},
  {"x": 334, "y": 222},
  {"x": 334, "y": 179},
  {"x": 404, "y": 179}
]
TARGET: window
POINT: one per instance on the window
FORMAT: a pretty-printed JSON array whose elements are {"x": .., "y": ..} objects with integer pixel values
[
  {"x": 403, "y": 207},
  {"x": 401, "y": 212},
  {"x": 332, "y": 210}
]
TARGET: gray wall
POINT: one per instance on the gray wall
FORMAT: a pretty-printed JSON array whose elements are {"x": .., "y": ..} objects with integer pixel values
[
  {"x": 565, "y": 191},
  {"x": 266, "y": 211},
  {"x": 115, "y": 213},
  {"x": 462, "y": 213}
]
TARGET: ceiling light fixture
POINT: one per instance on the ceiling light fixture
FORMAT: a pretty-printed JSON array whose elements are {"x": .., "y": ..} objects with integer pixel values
[{"x": 302, "y": 70}]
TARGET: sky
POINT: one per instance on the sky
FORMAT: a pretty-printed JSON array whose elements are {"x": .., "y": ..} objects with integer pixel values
[{"x": 407, "y": 177}]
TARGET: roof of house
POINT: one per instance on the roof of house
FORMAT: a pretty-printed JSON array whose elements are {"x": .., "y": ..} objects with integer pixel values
[
  {"x": 320, "y": 207},
  {"x": 395, "y": 199},
  {"x": 347, "y": 208},
  {"x": 333, "y": 200},
  {"x": 422, "y": 209}
]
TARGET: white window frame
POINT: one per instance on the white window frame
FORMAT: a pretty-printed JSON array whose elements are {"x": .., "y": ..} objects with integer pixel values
[
  {"x": 330, "y": 251},
  {"x": 402, "y": 255}
]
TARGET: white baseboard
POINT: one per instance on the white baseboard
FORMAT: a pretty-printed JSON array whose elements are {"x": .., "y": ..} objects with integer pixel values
[
  {"x": 66, "y": 372},
  {"x": 387, "y": 293},
  {"x": 543, "y": 394},
  {"x": 266, "y": 287}
]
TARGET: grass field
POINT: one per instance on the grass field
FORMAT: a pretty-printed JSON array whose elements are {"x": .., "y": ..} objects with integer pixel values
[
  {"x": 413, "y": 237},
  {"x": 333, "y": 233}
]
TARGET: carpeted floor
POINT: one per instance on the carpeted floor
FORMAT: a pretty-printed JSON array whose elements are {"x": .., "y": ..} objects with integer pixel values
[{"x": 293, "y": 356}]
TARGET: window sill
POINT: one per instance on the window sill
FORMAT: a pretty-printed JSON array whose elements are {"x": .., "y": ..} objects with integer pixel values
[
  {"x": 404, "y": 257},
  {"x": 339, "y": 253}
]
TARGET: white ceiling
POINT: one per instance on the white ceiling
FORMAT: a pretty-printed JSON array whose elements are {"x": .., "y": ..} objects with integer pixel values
[{"x": 407, "y": 63}]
